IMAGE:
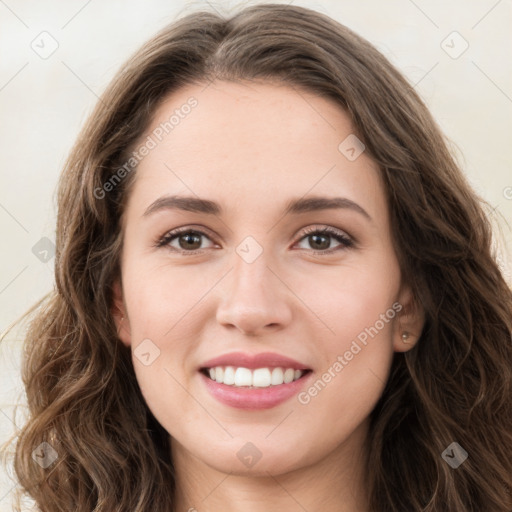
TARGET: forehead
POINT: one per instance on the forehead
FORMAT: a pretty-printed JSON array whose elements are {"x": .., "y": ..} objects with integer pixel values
[{"x": 253, "y": 145}]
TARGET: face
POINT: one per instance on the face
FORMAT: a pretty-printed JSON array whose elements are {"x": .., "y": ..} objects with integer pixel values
[{"x": 257, "y": 251}]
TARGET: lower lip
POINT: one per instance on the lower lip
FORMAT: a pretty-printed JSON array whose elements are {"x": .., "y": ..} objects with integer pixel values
[{"x": 254, "y": 398}]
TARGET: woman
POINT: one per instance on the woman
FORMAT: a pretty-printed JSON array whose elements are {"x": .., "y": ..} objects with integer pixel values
[{"x": 275, "y": 290}]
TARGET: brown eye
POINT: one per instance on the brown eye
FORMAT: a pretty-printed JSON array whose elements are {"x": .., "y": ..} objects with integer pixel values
[
  {"x": 185, "y": 240},
  {"x": 190, "y": 241},
  {"x": 321, "y": 240}
]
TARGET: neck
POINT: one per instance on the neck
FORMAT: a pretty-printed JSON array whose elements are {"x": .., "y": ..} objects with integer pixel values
[{"x": 333, "y": 484}]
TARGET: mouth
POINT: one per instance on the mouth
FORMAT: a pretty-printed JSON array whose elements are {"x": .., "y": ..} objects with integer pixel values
[
  {"x": 259, "y": 378},
  {"x": 253, "y": 381}
]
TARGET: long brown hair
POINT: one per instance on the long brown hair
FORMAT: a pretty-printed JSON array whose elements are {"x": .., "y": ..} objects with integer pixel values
[{"x": 455, "y": 385}]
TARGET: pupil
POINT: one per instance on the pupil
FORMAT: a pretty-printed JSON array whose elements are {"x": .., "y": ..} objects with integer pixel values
[
  {"x": 190, "y": 240},
  {"x": 322, "y": 246}
]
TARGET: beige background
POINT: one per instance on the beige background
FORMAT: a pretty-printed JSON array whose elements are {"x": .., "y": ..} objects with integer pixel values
[{"x": 45, "y": 98}]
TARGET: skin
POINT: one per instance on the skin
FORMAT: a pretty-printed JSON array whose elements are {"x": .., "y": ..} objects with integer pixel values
[{"x": 252, "y": 147}]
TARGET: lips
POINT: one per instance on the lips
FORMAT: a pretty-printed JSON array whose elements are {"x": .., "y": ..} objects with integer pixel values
[
  {"x": 254, "y": 361},
  {"x": 253, "y": 381}
]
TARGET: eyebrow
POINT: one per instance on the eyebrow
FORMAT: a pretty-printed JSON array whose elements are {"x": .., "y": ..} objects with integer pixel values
[{"x": 295, "y": 206}]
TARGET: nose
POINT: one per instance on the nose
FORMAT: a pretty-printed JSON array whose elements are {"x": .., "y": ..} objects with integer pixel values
[{"x": 255, "y": 299}]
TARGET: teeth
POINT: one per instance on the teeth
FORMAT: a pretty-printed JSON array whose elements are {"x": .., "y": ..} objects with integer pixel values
[
  {"x": 277, "y": 376},
  {"x": 229, "y": 375},
  {"x": 259, "y": 378},
  {"x": 289, "y": 374},
  {"x": 243, "y": 377}
]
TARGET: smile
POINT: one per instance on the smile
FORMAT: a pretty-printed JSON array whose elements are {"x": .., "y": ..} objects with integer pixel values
[
  {"x": 258, "y": 378},
  {"x": 253, "y": 381}
]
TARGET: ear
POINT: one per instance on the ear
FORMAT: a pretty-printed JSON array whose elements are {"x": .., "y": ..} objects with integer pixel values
[
  {"x": 410, "y": 321},
  {"x": 119, "y": 314}
]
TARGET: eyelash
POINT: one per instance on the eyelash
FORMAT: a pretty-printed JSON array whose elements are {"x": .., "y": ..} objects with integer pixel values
[{"x": 345, "y": 241}]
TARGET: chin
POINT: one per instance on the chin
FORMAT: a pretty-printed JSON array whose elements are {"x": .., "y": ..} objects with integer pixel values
[{"x": 270, "y": 464}]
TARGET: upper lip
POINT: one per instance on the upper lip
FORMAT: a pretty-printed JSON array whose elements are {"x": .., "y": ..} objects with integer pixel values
[{"x": 253, "y": 361}]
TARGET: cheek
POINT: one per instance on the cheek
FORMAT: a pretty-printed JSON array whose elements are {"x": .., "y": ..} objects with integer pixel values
[
  {"x": 165, "y": 311},
  {"x": 356, "y": 363},
  {"x": 165, "y": 393},
  {"x": 161, "y": 300},
  {"x": 353, "y": 302},
  {"x": 360, "y": 309}
]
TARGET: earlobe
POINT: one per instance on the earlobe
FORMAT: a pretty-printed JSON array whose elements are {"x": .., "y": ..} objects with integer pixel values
[
  {"x": 119, "y": 315},
  {"x": 410, "y": 322},
  {"x": 406, "y": 342}
]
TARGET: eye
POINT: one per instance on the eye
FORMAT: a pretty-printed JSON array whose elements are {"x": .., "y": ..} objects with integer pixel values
[
  {"x": 187, "y": 240},
  {"x": 320, "y": 239},
  {"x": 183, "y": 239}
]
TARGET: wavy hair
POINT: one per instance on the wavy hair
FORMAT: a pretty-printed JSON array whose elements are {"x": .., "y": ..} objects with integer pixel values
[{"x": 454, "y": 385}]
